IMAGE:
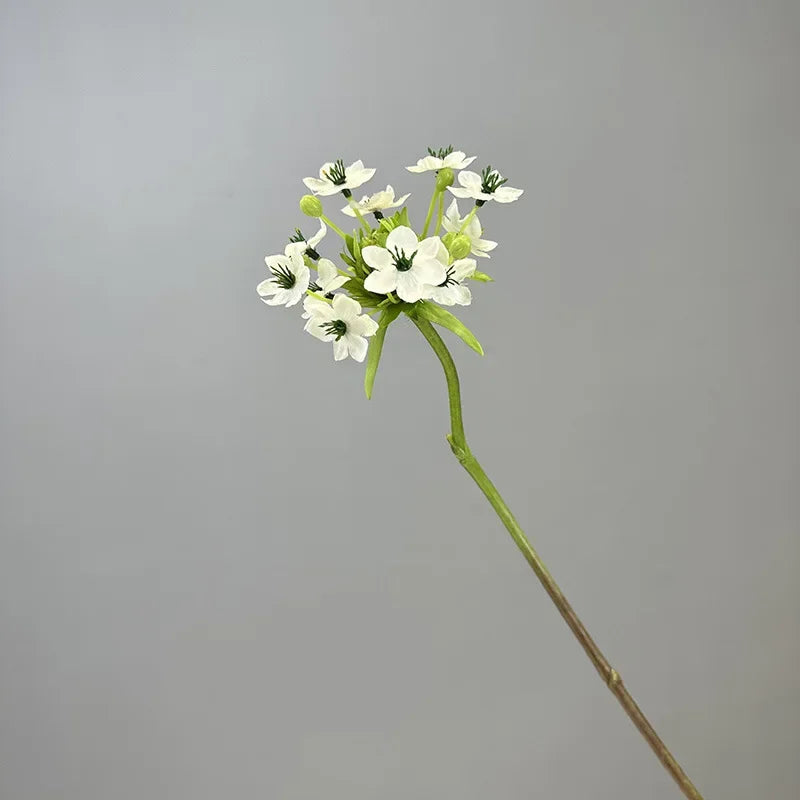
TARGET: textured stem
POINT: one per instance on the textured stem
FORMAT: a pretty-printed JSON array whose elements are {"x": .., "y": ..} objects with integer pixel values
[{"x": 610, "y": 676}]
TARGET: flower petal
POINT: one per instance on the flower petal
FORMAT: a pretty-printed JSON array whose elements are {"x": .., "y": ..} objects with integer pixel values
[
  {"x": 319, "y": 235},
  {"x": 340, "y": 349},
  {"x": 426, "y": 164},
  {"x": 463, "y": 268},
  {"x": 326, "y": 271},
  {"x": 317, "y": 185},
  {"x": 382, "y": 281},
  {"x": 409, "y": 287},
  {"x": 357, "y": 345},
  {"x": 267, "y": 288},
  {"x": 470, "y": 180},
  {"x": 402, "y": 238},
  {"x": 426, "y": 270},
  {"x": 345, "y": 308},
  {"x": 505, "y": 194},
  {"x": 376, "y": 257},
  {"x": 464, "y": 194},
  {"x": 430, "y": 247}
]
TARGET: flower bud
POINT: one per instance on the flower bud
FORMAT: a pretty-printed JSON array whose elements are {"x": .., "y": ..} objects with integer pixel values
[
  {"x": 460, "y": 246},
  {"x": 444, "y": 178},
  {"x": 310, "y": 205}
]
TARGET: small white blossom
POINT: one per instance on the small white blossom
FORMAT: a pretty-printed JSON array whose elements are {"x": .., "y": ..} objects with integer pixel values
[
  {"x": 340, "y": 322},
  {"x": 328, "y": 277},
  {"x": 307, "y": 244},
  {"x": 289, "y": 281},
  {"x": 379, "y": 201},
  {"x": 453, "y": 160},
  {"x": 484, "y": 187},
  {"x": 452, "y": 291},
  {"x": 404, "y": 265},
  {"x": 453, "y": 221},
  {"x": 335, "y": 177}
]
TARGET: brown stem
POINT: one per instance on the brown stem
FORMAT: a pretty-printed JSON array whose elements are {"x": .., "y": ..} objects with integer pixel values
[{"x": 610, "y": 676}]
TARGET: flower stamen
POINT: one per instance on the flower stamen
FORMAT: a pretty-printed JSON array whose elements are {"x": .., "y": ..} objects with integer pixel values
[
  {"x": 337, "y": 328},
  {"x": 402, "y": 262},
  {"x": 284, "y": 277}
]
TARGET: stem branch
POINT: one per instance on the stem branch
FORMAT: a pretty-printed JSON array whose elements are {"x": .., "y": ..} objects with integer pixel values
[{"x": 610, "y": 676}]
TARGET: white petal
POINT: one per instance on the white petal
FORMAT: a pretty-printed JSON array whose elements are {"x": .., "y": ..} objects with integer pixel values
[
  {"x": 267, "y": 288},
  {"x": 452, "y": 217},
  {"x": 357, "y": 177},
  {"x": 426, "y": 164},
  {"x": 462, "y": 296},
  {"x": 326, "y": 271},
  {"x": 278, "y": 262},
  {"x": 319, "y": 235},
  {"x": 426, "y": 270},
  {"x": 340, "y": 349},
  {"x": 464, "y": 194},
  {"x": 409, "y": 287},
  {"x": 403, "y": 239},
  {"x": 400, "y": 201},
  {"x": 319, "y": 186},
  {"x": 381, "y": 281},
  {"x": 302, "y": 279},
  {"x": 430, "y": 247},
  {"x": 345, "y": 308},
  {"x": 317, "y": 308},
  {"x": 295, "y": 248},
  {"x": 357, "y": 345},
  {"x": 363, "y": 326},
  {"x": 481, "y": 247},
  {"x": 469, "y": 179},
  {"x": 325, "y": 170},
  {"x": 317, "y": 331},
  {"x": 376, "y": 257},
  {"x": 505, "y": 194},
  {"x": 463, "y": 268},
  {"x": 279, "y": 298}
]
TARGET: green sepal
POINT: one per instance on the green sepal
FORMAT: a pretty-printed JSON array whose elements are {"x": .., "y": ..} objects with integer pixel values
[
  {"x": 440, "y": 316},
  {"x": 482, "y": 277},
  {"x": 388, "y": 316}
]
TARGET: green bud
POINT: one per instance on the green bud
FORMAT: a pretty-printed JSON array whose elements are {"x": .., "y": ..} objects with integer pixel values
[
  {"x": 310, "y": 205},
  {"x": 460, "y": 246},
  {"x": 444, "y": 178},
  {"x": 447, "y": 239}
]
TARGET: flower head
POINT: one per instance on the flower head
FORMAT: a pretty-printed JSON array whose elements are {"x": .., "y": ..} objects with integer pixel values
[
  {"x": 309, "y": 246},
  {"x": 484, "y": 187},
  {"x": 453, "y": 221},
  {"x": 340, "y": 322},
  {"x": 289, "y": 281},
  {"x": 378, "y": 202},
  {"x": 335, "y": 177},
  {"x": 328, "y": 278},
  {"x": 404, "y": 265},
  {"x": 453, "y": 291},
  {"x": 444, "y": 157}
]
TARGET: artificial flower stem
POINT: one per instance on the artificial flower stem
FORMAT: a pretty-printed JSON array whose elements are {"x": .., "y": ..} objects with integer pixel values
[
  {"x": 431, "y": 207},
  {"x": 333, "y": 225},
  {"x": 468, "y": 219},
  {"x": 610, "y": 676},
  {"x": 358, "y": 213},
  {"x": 439, "y": 215}
]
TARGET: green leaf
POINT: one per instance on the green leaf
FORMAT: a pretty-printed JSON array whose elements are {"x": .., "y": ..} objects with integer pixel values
[
  {"x": 388, "y": 316},
  {"x": 439, "y": 316},
  {"x": 482, "y": 277},
  {"x": 348, "y": 240}
]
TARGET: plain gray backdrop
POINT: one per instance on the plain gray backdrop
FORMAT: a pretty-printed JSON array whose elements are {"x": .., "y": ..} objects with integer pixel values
[{"x": 225, "y": 573}]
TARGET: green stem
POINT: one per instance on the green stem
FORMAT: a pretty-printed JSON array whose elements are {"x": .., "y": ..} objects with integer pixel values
[
  {"x": 460, "y": 448},
  {"x": 358, "y": 213},
  {"x": 435, "y": 197},
  {"x": 439, "y": 215},
  {"x": 467, "y": 219},
  {"x": 333, "y": 225}
]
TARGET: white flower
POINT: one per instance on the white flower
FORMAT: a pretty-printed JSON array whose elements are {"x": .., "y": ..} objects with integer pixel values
[
  {"x": 452, "y": 290},
  {"x": 340, "y": 322},
  {"x": 307, "y": 244},
  {"x": 454, "y": 160},
  {"x": 289, "y": 281},
  {"x": 335, "y": 177},
  {"x": 379, "y": 201},
  {"x": 484, "y": 187},
  {"x": 328, "y": 277},
  {"x": 453, "y": 221},
  {"x": 404, "y": 265}
]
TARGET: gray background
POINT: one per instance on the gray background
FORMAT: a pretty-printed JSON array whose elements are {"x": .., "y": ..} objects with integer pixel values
[{"x": 224, "y": 573}]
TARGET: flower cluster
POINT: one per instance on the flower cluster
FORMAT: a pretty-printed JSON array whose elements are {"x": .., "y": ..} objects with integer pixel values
[{"x": 385, "y": 267}]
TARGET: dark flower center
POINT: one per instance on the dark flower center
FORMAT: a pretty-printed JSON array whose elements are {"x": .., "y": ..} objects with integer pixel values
[
  {"x": 402, "y": 262},
  {"x": 284, "y": 277},
  {"x": 338, "y": 328},
  {"x": 449, "y": 280},
  {"x": 336, "y": 173}
]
